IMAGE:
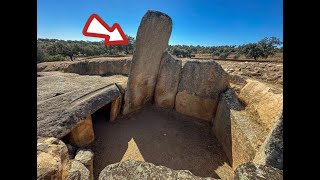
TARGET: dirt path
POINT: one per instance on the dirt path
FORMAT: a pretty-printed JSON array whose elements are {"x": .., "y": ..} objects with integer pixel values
[{"x": 162, "y": 137}]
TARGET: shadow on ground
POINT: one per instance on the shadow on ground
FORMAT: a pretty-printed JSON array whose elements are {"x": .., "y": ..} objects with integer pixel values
[{"x": 162, "y": 137}]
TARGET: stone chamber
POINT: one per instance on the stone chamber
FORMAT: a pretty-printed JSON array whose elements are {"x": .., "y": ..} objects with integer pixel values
[{"x": 155, "y": 116}]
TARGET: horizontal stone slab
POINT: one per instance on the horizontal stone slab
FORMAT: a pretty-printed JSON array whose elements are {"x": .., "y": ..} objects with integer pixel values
[{"x": 64, "y": 100}]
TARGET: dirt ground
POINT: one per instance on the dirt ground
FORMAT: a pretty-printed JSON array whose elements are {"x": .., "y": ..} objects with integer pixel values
[
  {"x": 267, "y": 72},
  {"x": 162, "y": 137}
]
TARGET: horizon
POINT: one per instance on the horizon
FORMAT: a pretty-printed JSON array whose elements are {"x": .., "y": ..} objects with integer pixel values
[{"x": 226, "y": 22}]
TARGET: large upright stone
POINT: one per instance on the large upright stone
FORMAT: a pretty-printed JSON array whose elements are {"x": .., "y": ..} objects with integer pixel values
[
  {"x": 168, "y": 81},
  {"x": 238, "y": 133},
  {"x": 82, "y": 134},
  {"x": 199, "y": 88},
  {"x": 152, "y": 40}
]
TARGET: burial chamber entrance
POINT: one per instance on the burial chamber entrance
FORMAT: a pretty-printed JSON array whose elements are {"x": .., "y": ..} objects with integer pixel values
[{"x": 160, "y": 136}]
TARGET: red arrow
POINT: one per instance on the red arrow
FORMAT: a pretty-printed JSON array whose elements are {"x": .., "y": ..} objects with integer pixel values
[{"x": 96, "y": 27}]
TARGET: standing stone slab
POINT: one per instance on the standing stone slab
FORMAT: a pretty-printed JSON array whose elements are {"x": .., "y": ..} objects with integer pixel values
[
  {"x": 115, "y": 108},
  {"x": 168, "y": 81},
  {"x": 152, "y": 40},
  {"x": 82, "y": 135},
  {"x": 238, "y": 133},
  {"x": 199, "y": 88}
]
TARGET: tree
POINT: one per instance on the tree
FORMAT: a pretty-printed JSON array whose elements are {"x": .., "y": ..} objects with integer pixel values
[
  {"x": 64, "y": 48},
  {"x": 180, "y": 52},
  {"x": 251, "y": 50},
  {"x": 264, "y": 48}
]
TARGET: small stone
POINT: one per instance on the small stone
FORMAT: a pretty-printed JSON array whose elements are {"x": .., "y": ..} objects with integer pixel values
[
  {"x": 85, "y": 156},
  {"x": 78, "y": 171}
]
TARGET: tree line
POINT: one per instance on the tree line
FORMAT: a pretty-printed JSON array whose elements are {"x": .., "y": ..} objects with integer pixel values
[
  {"x": 59, "y": 50},
  {"x": 262, "y": 49}
]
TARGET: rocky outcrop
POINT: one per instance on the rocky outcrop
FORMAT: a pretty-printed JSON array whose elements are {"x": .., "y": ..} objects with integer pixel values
[
  {"x": 168, "y": 81},
  {"x": 136, "y": 170},
  {"x": 264, "y": 101},
  {"x": 199, "y": 88},
  {"x": 65, "y": 99},
  {"x": 253, "y": 171},
  {"x": 78, "y": 171},
  {"x": 52, "y": 159},
  {"x": 237, "y": 131},
  {"x": 271, "y": 152},
  {"x": 95, "y": 66},
  {"x": 82, "y": 134},
  {"x": 100, "y": 66},
  {"x": 151, "y": 42},
  {"x": 85, "y": 156}
]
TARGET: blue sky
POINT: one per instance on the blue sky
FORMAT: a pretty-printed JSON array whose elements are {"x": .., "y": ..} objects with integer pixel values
[{"x": 195, "y": 22}]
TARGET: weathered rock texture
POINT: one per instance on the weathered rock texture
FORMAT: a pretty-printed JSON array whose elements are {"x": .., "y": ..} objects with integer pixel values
[
  {"x": 82, "y": 134},
  {"x": 65, "y": 99},
  {"x": 52, "y": 159},
  {"x": 199, "y": 88},
  {"x": 271, "y": 152},
  {"x": 239, "y": 134},
  {"x": 262, "y": 100},
  {"x": 96, "y": 66},
  {"x": 151, "y": 42},
  {"x": 251, "y": 171},
  {"x": 78, "y": 171},
  {"x": 168, "y": 81},
  {"x": 85, "y": 156},
  {"x": 136, "y": 170}
]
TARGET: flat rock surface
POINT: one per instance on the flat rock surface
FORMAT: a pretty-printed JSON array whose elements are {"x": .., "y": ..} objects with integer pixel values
[
  {"x": 163, "y": 137},
  {"x": 136, "y": 170},
  {"x": 64, "y": 99}
]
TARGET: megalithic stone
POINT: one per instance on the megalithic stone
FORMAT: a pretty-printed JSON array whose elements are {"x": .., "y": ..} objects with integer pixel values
[{"x": 151, "y": 42}]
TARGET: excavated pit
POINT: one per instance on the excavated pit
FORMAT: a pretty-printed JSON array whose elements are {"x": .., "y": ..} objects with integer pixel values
[{"x": 162, "y": 137}]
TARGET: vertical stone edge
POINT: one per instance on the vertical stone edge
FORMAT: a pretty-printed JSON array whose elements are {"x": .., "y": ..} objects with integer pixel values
[{"x": 135, "y": 100}]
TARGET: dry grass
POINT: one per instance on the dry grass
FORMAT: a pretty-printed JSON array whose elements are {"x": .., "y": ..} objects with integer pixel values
[{"x": 276, "y": 57}]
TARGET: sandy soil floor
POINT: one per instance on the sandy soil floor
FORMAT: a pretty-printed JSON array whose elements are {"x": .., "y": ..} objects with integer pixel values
[{"x": 162, "y": 137}]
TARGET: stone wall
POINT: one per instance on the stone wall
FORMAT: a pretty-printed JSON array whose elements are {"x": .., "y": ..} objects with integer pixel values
[{"x": 96, "y": 66}]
